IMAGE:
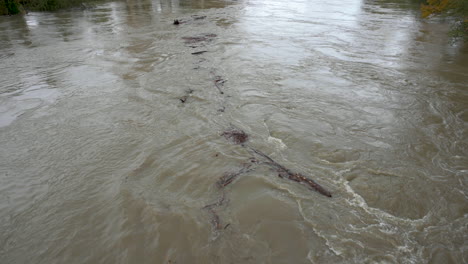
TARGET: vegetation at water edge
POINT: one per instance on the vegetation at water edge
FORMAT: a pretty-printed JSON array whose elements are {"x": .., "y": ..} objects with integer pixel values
[
  {"x": 12, "y": 7},
  {"x": 457, "y": 9}
]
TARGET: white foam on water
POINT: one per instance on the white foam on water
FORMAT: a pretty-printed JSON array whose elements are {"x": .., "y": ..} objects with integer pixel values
[{"x": 278, "y": 143}]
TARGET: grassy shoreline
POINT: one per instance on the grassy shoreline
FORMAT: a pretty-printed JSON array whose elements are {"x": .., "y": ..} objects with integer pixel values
[{"x": 13, "y": 7}]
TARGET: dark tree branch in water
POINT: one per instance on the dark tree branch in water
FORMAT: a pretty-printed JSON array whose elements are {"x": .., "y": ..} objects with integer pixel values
[
  {"x": 230, "y": 177},
  {"x": 238, "y": 136},
  {"x": 215, "y": 219},
  {"x": 218, "y": 203},
  {"x": 283, "y": 172}
]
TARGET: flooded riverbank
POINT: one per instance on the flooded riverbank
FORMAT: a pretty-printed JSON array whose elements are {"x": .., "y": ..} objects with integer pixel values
[{"x": 111, "y": 124}]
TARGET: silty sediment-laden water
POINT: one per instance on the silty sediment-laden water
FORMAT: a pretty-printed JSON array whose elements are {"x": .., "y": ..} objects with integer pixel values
[{"x": 111, "y": 123}]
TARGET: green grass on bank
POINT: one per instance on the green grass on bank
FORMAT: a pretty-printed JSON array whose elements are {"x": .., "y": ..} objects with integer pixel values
[
  {"x": 12, "y": 7},
  {"x": 455, "y": 9}
]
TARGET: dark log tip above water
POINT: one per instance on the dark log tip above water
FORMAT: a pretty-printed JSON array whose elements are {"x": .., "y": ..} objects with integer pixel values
[
  {"x": 236, "y": 136},
  {"x": 183, "y": 99},
  {"x": 199, "y": 52}
]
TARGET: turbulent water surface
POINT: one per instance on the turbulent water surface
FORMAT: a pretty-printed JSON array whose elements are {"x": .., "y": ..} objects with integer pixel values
[{"x": 111, "y": 146}]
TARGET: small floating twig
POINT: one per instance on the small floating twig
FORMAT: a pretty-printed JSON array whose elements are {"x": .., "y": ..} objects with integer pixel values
[
  {"x": 218, "y": 83},
  {"x": 199, "y": 52}
]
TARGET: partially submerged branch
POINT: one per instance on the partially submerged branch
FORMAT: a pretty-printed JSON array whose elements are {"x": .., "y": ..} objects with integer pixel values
[
  {"x": 238, "y": 136},
  {"x": 228, "y": 178}
]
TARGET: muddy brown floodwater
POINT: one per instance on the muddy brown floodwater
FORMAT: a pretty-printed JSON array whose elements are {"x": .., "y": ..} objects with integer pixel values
[{"x": 111, "y": 124}]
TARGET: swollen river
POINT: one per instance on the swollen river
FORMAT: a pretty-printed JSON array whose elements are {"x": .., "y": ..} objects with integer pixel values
[{"x": 112, "y": 147}]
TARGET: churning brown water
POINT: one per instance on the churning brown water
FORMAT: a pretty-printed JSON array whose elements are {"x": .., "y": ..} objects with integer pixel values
[{"x": 111, "y": 146}]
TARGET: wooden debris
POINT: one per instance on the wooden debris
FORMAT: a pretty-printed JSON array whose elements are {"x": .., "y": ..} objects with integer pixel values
[
  {"x": 219, "y": 82},
  {"x": 218, "y": 203},
  {"x": 199, "y": 52},
  {"x": 283, "y": 172},
  {"x": 228, "y": 178},
  {"x": 236, "y": 136},
  {"x": 215, "y": 220}
]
